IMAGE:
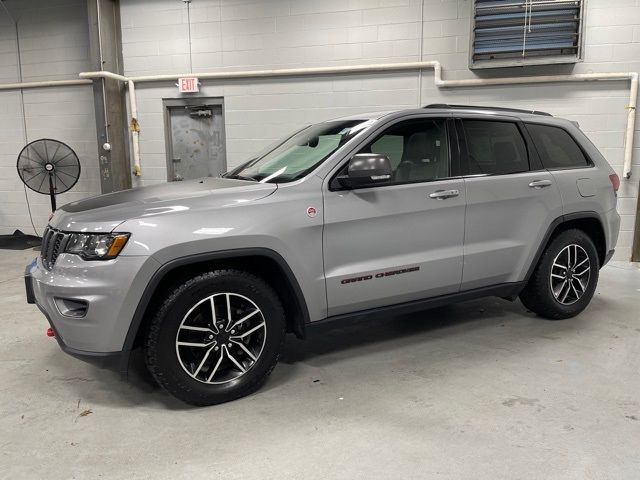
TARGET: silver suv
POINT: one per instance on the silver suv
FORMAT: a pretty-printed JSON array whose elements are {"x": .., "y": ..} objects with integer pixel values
[{"x": 370, "y": 214}]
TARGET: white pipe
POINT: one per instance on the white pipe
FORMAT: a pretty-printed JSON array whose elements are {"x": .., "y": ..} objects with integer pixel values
[
  {"x": 103, "y": 74},
  {"x": 578, "y": 77},
  {"x": 134, "y": 128},
  {"x": 631, "y": 125},
  {"x": 45, "y": 83},
  {"x": 292, "y": 72},
  {"x": 439, "y": 82},
  {"x": 382, "y": 67}
]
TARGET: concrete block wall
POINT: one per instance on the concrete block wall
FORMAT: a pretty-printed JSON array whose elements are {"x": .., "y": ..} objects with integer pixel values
[
  {"x": 54, "y": 45},
  {"x": 240, "y": 34},
  {"x": 256, "y": 34}
]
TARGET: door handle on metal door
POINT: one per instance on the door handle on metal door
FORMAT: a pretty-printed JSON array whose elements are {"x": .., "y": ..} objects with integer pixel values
[
  {"x": 540, "y": 183},
  {"x": 443, "y": 194}
]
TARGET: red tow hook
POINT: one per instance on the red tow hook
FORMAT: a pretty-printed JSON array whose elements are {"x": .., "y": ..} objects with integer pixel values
[{"x": 50, "y": 332}]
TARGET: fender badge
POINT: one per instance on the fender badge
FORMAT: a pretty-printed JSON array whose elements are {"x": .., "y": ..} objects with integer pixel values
[{"x": 312, "y": 212}]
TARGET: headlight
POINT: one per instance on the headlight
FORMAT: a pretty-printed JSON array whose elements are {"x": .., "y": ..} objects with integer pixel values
[{"x": 96, "y": 246}]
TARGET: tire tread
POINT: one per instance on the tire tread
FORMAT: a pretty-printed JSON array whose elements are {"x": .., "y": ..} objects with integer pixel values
[
  {"x": 536, "y": 296},
  {"x": 182, "y": 390}
]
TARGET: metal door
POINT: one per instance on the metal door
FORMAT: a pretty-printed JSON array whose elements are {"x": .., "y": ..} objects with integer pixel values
[
  {"x": 393, "y": 244},
  {"x": 195, "y": 138},
  {"x": 507, "y": 216}
]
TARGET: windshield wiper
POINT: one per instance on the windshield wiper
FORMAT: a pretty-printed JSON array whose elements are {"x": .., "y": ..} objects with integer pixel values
[{"x": 241, "y": 177}]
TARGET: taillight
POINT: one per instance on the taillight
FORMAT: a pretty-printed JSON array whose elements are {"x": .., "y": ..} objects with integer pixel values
[{"x": 615, "y": 182}]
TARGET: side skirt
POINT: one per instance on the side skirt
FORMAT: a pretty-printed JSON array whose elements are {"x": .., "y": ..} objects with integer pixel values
[{"x": 508, "y": 291}]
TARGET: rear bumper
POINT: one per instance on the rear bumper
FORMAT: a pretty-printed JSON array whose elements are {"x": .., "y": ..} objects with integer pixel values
[
  {"x": 611, "y": 224},
  {"x": 608, "y": 256}
]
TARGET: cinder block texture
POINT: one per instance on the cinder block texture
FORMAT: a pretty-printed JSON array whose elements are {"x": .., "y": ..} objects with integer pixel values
[
  {"x": 54, "y": 45},
  {"x": 237, "y": 34},
  {"x": 253, "y": 34}
]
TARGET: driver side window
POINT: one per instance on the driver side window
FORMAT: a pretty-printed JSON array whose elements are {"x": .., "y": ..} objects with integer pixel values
[{"x": 418, "y": 150}]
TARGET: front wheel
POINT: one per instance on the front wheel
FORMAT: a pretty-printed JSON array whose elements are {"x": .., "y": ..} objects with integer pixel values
[
  {"x": 216, "y": 338},
  {"x": 565, "y": 278}
]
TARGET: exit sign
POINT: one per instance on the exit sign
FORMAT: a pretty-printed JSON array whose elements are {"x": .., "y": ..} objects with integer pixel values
[{"x": 188, "y": 85}]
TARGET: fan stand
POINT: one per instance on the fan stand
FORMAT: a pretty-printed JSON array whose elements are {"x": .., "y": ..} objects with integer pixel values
[
  {"x": 46, "y": 159},
  {"x": 52, "y": 193}
]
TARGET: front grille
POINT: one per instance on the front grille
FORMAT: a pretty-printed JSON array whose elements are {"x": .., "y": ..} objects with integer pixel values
[{"x": 53, "y": 243}]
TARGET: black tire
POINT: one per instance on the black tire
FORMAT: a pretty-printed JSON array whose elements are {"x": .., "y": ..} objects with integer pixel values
[
  {"x": 538, "y": 296},
  {"x": 160, "y": 344}
]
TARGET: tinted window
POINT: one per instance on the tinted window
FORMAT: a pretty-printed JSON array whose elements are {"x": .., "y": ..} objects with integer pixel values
[
  {"x": 495, "y": 148},
  {"x": 418, "y": 150},
  {"x": 556, "y": 147},
  {"x": 391, "y": 146}
]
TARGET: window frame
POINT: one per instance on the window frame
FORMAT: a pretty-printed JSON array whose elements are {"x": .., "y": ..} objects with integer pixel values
[
  {"x": 533, "y": 159},
  {"x": 590, "y": 162},
  {"x": 453, "y": 151}
]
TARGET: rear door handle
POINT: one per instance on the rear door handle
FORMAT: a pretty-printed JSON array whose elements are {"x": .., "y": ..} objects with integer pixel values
[
  {"x": 540, "y": 183},
  {"x": 443, "y": 194}
]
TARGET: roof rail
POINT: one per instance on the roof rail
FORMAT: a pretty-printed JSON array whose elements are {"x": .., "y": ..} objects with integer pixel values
[{"x": 477, "y": 107}]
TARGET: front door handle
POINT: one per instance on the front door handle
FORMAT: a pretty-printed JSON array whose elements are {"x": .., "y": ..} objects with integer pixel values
[
  {"x": 443, "y": 194},
  {"x": 540, "y": 183}
]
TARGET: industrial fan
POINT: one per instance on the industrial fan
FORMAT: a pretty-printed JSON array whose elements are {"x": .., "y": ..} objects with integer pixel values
[{"x": 49, "y": 167}]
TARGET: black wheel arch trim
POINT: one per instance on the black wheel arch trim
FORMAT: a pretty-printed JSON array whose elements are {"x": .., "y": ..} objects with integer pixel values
[
  {"x": 299, "y": 323},
  {"x": 552, "y": 228}
]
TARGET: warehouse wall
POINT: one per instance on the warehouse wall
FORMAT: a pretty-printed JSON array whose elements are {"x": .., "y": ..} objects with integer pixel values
[
  {"x": 240, "y": 34},
  {"x": 236, "y": 34},
  {"x": 54, "y": 46}
]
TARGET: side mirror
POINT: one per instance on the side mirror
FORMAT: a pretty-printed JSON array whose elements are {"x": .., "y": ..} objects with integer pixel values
[{"x": 366, "y": 169}]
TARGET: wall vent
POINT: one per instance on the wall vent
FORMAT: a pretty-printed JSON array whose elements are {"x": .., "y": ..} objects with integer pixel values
[{"x": 508, "y": 33}]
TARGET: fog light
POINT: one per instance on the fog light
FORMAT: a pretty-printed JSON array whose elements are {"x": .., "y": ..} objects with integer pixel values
[{"x": 70, "y": 307}]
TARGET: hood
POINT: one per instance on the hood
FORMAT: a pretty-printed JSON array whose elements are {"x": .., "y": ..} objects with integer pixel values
[{"x": 105, "y": 212}]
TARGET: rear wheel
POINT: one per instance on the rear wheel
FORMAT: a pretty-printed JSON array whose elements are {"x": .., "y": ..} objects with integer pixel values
[
  {"x": 565, "y": 278},
  {"x": 216, "y": 338}
]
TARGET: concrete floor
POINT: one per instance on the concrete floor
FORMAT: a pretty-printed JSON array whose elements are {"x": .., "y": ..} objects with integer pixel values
[{"x": 477, "y": 390}]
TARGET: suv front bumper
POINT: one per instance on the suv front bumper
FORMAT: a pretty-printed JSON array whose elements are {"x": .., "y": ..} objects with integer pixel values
[{"x": 111, "y": 293}]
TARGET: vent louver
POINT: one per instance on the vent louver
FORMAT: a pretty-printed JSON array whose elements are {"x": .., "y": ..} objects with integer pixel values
[{"x": 527, "y": 32}]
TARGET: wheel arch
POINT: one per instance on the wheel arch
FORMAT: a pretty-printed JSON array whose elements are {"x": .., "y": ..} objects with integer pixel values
[
  {"x": 589, "y": 222},
  {"x": 263, "y": 262}
]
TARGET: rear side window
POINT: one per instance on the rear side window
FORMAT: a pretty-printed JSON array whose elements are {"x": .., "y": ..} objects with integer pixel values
[
  {"x": 556, "y": 147},
  {"x": 495, "y": 148}
]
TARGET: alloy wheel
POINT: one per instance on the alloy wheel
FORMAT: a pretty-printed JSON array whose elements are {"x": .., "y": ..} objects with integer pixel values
[
  {"x": 570, "y": 274},
  {"x": 220, "y": 338}
]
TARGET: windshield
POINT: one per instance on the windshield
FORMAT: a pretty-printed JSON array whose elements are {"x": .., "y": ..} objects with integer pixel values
[{"x": 300, "y": 153}]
